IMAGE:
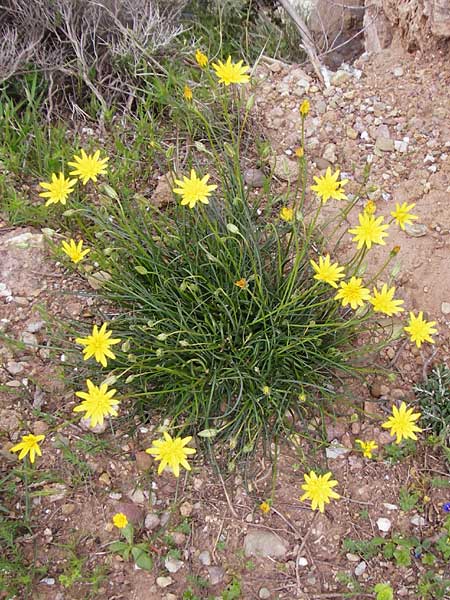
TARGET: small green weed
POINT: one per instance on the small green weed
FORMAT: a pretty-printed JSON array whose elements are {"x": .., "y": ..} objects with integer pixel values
[
  {"x": 408, "y": 500},
  {"x": 434, "y": 399}
]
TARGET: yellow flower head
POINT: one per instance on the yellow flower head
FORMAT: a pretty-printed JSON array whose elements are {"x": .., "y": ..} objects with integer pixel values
[
  {"x": 97, "y": 403},
  {"x": 97, "y": 344},
  {"x": 327, "y": 272},
  {"x": 187, "y": 93},
  {"x": 29, "y": 445},
  {"x": 369, "y": 231},
  {"x": 120, "y": 520},
  {"x": 75, "y": 251},
  {"x": 384, "y": 302},
  {"x": 229, "y": 72},
  {"x": 353, "y": 293},
  {"x": 242, "y": 283},
  {"x": 264, "y": 507},
  {"x": 319, "y": 490},
  {"x": 402, "y": 423},
  {"x": 172, "y": 452},
  {"x": 402, "y": 214},
  {"x": 299, "y": 152},
  {"x": 420, "y": 330},
  {"x": 287, "y": 214},
  {"x": 194, "y": 190},
  {"x": 58, "y": 189},
  {"x": 328, "y": 186},
  {"x": 370, "y": 208},
  {"x": 304, "y": 108},
  {"x": 201, "y": 59},
  {"x": 88, "y": 166},
  {"x": 266, "y": 390},
  {"x": 367, "y": 447}
]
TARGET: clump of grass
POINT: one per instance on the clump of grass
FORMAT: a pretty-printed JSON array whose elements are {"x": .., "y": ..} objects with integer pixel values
[{"x": 434, "y": 399}]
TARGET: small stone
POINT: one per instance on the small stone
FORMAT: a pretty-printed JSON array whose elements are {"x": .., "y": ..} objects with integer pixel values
[
  {"x": 14, "y": 383},
  {"x": 40, "y": 427},
  {"x": 186, "y": 509},
  {"x": 254, "y": 178},
  {"x": 85, "y": 424},
  {"x": 205, "y": 558},
  {"x": 163, "y": 195},
  {"x": 152, "y": 521},
  {"x": 179, "y": 538},
  {"x": 351, "y": 133},
  {"x": 384, "y": 144},
  {"x": 329, "y": 154},
  {"x": 384, "y": 524},
  {"x": 170, "y": 597},
  {"x": 215, "y": 574},
  {"x": 352, "y": 557},
  {"x": 48, "y": 581},
  {"x": 398, "y": 72},
  {"x": 389, "y": 506},
  {"x": 264, "y": 593},
  {"x": 416, "y": 229},
  {"x": 418, "y": 521},
  {"x": 285, "y": 168},
  {"x": 14, "y": 368},
  {"x": 67, "y": 509},
  {"x": 335, "y": 450},
  {"x": 164, "y": 582},
  {"x": 445, "y": 308},
  {"x": 173, "y": 565},
  {"x": 29, "y": 339},
  {"x": 198, "y": 484},
  {"x": 340, "y": 77},
  {"x": 55, "y": 492},
  {"x": 275, "y": 67},
  {"x": 378, "y": 389},
  {"x": 115, "y": 495},
  {"x": 401, "y": 146},
  {"x": 264, "y": 543},
  {"x": 105, "y": 479},
  {"x": 35, "y": 326},
  {"x": 143, "y": 461},
  {"x": 133, "y": 512},
  {"x": 302, "y": 561},
  {"x": 360, "y": 568},
  {"x": 137, "y": 496}
]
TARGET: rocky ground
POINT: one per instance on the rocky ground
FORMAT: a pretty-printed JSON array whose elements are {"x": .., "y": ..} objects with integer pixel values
[{"x": 392, "y": 109}]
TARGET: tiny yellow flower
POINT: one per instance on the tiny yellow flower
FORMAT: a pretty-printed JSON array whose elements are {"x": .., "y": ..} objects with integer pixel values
[
  {"x": 29, "y": 445},
  {"x": 369, "y": 231},
  {"x": 299, "y": 152},
  {"x": 58, "y": 189},
  {"x": 187, "y": 93},
  {"x": 266, "y": 390},
  {"x": 88, "y": 166},
  {"x": 172, "y": 452},
  {"x": 402, "y": 423},
  {"x": 370, "y": 208},
  {"x": 304, "y": 108},
  {"x": 242, "y": 283},
  {"x": 367, "y": 447},
  {"x": 74, "y": 251},
  {"x": 229, "y": 72},
  {"x": 420, "y": 330},
  {"x": 287, "y": 214},
  {"x": 194, "y": 190},
  {"x": 97, "y": 403},
  {"x": 328, "y": 186},
  {"x": 264, "y": 507},
  {"x": 403, "y": 215},
  {"x": 327, "y": 272},
  {"x": 97, "y": 344},
  {"x": 384, "y": 301},
  {"x": 319, "y": 490},
  {"x": 120, "y": 520},
  {"x": 353, "y": 293},
  {"x": 201, "y": 59}
]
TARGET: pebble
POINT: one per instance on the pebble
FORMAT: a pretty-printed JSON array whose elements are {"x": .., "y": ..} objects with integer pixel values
[
  {"x": 173, "y": 565},
  {"x": 67, "y": 509},
  {"x": 416, "y": 229},
  {"x": 29, "y": 339},
  {"x": 335, "y": 450},
  {"x": 164, "y": 582},
  {"x": 205, "y": 558},
  {"x": 418, "y": 521},
  {"x": 40, "y": 427},
  {"x": 264, "y": 593},
  {"x": 388, "y": 506},
  {"x": 14, "y": 368},
  {"x": 352, "y": 557},
  {"x": 445, "y": 308},
  {"x": 384, "y": 524},
  {"x": 340, "y": 77},
  {"x": 302, "y": 561},
  {"x": 254, "y": 178},
  {"x": 398, "y": 72},
  {"x": 360, "y": 568},
  {"x": 105, "y": 479},
  {"x": 264, "y": 543},
  {"x": 143, "y": 461},
  {"x": 186, "y": 509},
  {"x": 329, "y": 153},
  {"x": 151, "y": 522},
  {"x": 179, "y": 538},
  {"x": 85, "y": 424},
  {"x": 215, "y": 574},
  {"x": 48, "y": 581},
  {"x": 137, "y": 496},
  {"x": 384, "y": 144},
  {"x": 35, "y": 326}
]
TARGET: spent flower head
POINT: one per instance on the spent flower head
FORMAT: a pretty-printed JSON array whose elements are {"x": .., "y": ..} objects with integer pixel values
[
  {"x": 327, "y": 272},
  {"x": 201, "y": 59},
  {"x": 171, "y": 452},
  {"x": 98, "y": 403},
  {"x": 370, "y": 230},
  {"x": 328, "y": 186},
  {"x": 383, "y": 301},
  {"x": 88, "y": 166},
  {"x": 29, "y": 445},
  {"x": 120, "y": 520},
  {"x": 420, "y": 330},
  {"x": 98, "y": 344},
  {"x": 367, "y": 448},
  {"x": 318, "y": 489},
  {"x": 402, "y": 214},
  {"x": 228, "y": 72},
  {"x": 402, "y": 423},
  {"x": 353, "y": 292},
  {"x": 58, "y": 189},
  {"x": 193, "y": 189},
  {"x": 74, "y": 250}
]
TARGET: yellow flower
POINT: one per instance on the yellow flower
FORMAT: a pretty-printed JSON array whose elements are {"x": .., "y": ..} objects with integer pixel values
[
  {"x": 194, "y": 190},
  {"x": 328, "y": 186},
  {"x": 29, "y": 444},
  {"x": 327, "y": 272},
  {"x": 172, "y": 452},
  {"x": 287, "y": 214},
  {"x": 353, "y": 293},
  {"x": 402, "y": 423},
  {"x": 75, "y": 251},
  {"x": 370, "y": 208},
  {"x": 264, "y": 507},
  {"x": 187, "y": 93},
  {"x": 402, "y": 215},
  {"x": 242, "y": 283},
  {"x": 120, "y": 520},
  {"x": 202, "y": 59},
  {"x": 266, "y": 390},
  {"x": 420, "y": 330},
  {"x": 304, "y": 108},
  {"x": 299, "y": 152},
  {"x": 58, "y": 189},
  {"x": 318, "y": 489},
  {"x": 367, "y": 447},
  {"x": 384, "y": 301},
  {"x": 229, "y": 72},
  {"x": 88, "y": 166},
  {"x": 369, "y": 231},
  {"x": 97, "y": 344},
  {"x": 97, "y": 403}
]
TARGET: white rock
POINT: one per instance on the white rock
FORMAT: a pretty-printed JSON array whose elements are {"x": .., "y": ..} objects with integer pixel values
[
  {"x": 352, "y": 557},
  {"x": 164, "y": 582},
  {"x": 390, "y": 506},
  {"x": 384, "y": 524},
  {"x": 418, "y": 521},
  {"x": 360, "y": 568},
  {"x": 445, "y": 308},
  {"x": 264, "y": 593},
  {"x": 151, "y": 522},
  {"x": 398, "y": 72},
  {"x": 173, "y": 565},
  {"x": 335, "y": 450},
  {"x": 302, "y": 561},
  {"x": 205, "y": 558}
]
